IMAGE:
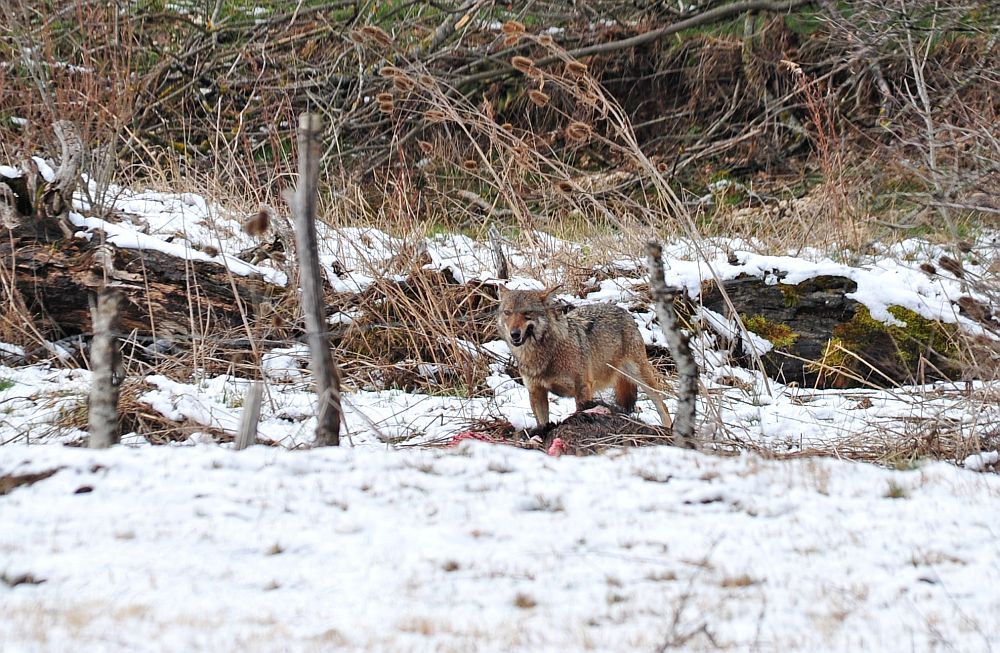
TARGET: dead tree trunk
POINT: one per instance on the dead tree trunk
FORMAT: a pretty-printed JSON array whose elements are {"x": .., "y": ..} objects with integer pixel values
[
  {"x": 680, "y": 349},
  {"x": 106, "y": 373},
  {"x": 321, "y": 364}
]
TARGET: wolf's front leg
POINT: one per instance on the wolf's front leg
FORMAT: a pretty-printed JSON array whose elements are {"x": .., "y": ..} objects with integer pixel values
[
  {"x": 539, "y": 397},
  {"x": 584, "y": 392}
]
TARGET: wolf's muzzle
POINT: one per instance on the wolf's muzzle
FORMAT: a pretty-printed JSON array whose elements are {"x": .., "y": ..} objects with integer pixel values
[{"x": 519, "y": 337}]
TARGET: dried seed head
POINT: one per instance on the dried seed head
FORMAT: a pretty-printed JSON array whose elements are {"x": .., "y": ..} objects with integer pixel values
[
  {"x": 390, "y": 71},
  {"x": 662, "y": 167},
  {"x": 511, "y": 40},
  {"x": 539, "y": 98},
  {"x": 928, "y": 269},
  {"x": 435, "y": 115},
  {"x": 512, "y": 27},
  {"x": 507, "y": 127},
  {"x": 792, "y": 66},
  {"x": 545, "y": 40},
  {"x": 257, "y": 224},
  {"x": 578, "y": 131},
  {"x": 523, "y": 64},
  {"x": 564, "y": 186},
  {"x": 426, "y": 81},
  {"x": 953, "y": 266},
  {"x": 973, "y": 308},
  {"x": 470, "y": 164},
  {"x": 378, "y": 35},
  {"x": 964, "y": 246},
  {"x": 385, "y": 107},
  {"x": 576, "y": 69},
  {"x": 425, "y": 147},
  {"x": 384, "y": 97},
  {"x": 357, "y": 36},
  {"x": 403, "y": 83}
]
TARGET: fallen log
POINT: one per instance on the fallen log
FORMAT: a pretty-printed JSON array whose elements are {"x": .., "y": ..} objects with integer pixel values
[
  {"x": 821, "y": 338},
  {"x": 49, "y": 275},
  {"x": 52, "y": 278}
]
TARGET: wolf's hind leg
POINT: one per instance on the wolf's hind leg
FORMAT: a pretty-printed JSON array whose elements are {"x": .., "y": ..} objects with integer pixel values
[{"x": 626, "y": 392}]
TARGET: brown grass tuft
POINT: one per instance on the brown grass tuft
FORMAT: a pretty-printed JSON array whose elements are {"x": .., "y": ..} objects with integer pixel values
[{"x": 525, "y": 601}]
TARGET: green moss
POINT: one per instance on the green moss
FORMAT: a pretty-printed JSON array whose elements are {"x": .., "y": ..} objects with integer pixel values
[
  {"x": 834, "y": 357},
  {"x": 780, "y": 335},
  {"x": 888, "y": 346},
  {"x": 790, "y": 293},
  {"x": 915, "y": 336}
]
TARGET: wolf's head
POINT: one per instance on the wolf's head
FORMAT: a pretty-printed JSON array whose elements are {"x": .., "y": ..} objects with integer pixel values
[{"x": 525, "y": 314}]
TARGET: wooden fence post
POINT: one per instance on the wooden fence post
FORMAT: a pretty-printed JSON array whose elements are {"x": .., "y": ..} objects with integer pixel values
[
  {"x": 680, "y": 348},
  {"x": 251, "y": 414},
  {"x": 106, "y": 372},
  {"x": 321, "y": 363}
]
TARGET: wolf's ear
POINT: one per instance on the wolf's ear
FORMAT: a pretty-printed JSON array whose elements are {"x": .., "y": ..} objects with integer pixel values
[{"x": 549, "y": 291}]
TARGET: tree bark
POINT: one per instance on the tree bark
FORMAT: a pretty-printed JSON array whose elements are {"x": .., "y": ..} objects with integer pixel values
[
  {"x": 106, "y": 372},
  {"x": 680, "y": 349},
  {"x": 326, "y": 376}
]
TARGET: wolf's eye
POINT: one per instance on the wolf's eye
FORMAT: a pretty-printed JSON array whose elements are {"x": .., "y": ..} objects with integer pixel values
[{"x": 508, "y": 313}]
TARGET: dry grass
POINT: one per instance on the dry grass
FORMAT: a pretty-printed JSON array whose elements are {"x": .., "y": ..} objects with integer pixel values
[
  {"x": 570, "y": 155},
  {"x": 419, "y": 333}
]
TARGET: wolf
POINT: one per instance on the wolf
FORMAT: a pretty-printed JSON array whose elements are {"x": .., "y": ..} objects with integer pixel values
[{"x": 576, "y": 353}]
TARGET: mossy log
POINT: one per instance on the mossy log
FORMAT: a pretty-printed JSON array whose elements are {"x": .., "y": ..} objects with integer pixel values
[{"x": 822, "y": 338}]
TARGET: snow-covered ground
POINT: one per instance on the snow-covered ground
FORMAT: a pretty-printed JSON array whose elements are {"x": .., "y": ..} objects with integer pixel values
[
  {"x": 491, "y": 548},
  {"x": 380, "y": 546}
]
